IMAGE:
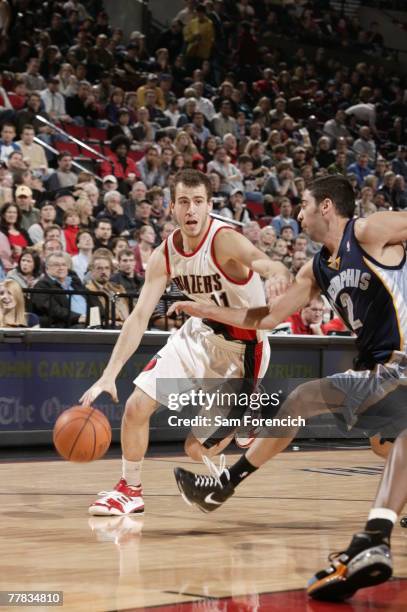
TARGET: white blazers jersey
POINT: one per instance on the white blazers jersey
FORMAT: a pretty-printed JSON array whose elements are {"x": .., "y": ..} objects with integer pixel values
[{"x": 199, "y": 276}]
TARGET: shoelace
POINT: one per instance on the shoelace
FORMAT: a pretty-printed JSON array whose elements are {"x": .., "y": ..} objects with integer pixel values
[{"x": 214, "y": 471}]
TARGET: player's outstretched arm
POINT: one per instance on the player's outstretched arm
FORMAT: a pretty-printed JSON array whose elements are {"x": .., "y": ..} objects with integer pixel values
[
  {"x": 300, "y": 293},
  {"x": 133, "y": 328}
]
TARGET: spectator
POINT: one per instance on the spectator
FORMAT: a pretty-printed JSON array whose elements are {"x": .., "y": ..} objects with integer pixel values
[
  {"x": 172, "y": 111},
  {"x": 308, "y": 320},
  {"x": 25, "y": 203},
  {"x": 115, "y": 105},
  {"x": 324, "y": 155},
  {"x": 143, "y": 130},
  {"x": 12, "y": 305},
  {"x": 184, "y": 145},
  {"x": 54, "y": 101},
  {"x": 110, "y": 183},
  {"x": 113, "y": 210},
  {"x": 388, "y": 183},
  {"x": 336, "y": 128},
  {"x": 223, "y": 123},
  {"x": 28, "y": 116},
  {"x": 360, "y": 168},
  {"x": 299, "y": 258},
  {"x": 103, "y": 234},
  {"x": 363, "y": 111},
  {"x": 6, "y": 260},
  {"x": 81, "y": 261},
  {"x": 144, "y": 248},
  {"x": 32, "y": 78},
  {"x": 365, "y": 144},
  {"x": 365, "y": 206},
  {"x": 136, "y": 195},
  {"x": 101, "y": 269},
  {"x": 200, "y": 132},
  {"x": 149, "y": 168},
  {"x": 7, "y": 144},
  {"x": 82, "y": 106},
  {"x": 28, "y": 269},
  {"x": 63, "y": 176},
  {"x": 122, "y": 126},
  {"x": 267, "y": 239},
  {"x": 59, "y": 310},
  {"x": 151, "y": 85},
  {"x": 199, "y": 36},
  {"x": 32, "y": 151},
  {"x": 399, "y": 193},
  {"x": 236, "y": 208},
  {"x": 230, "y": 175},
  {"x": 50, "y": 246},
  {"x": 340, "y": 165},
  {"x": 71, "y": 230},
  {"x": 252, "y": 232},
  {"x": 285, "y": 218},
  {"x": 399, "y": 164},
  {"x": 120, "y": 164},
  {"x": 125, "y": 275},
  {"x": 10, "y": 225}
]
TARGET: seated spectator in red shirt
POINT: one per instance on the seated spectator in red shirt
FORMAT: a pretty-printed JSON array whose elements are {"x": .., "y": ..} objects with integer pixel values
[
  {"x": 120, "y": 164},
  {"x": 308, "y": 321},
  {"x": 71, "y": 230},
  {"x": 10, "y": 225}
]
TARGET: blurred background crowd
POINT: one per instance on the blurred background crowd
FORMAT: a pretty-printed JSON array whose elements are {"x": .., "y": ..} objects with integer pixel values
[{"x": 94, "y": 127}]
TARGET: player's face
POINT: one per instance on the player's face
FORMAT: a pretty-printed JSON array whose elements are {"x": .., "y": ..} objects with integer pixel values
[
  {"x": 191, "y": 209},
  {"x": 310, "y": 217}
]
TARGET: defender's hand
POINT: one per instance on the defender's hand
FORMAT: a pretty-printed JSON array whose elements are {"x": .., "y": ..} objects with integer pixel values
[{"x": 193, "y": 309}]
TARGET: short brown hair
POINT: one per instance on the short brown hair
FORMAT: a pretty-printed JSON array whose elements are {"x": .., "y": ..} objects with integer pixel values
[
  {"x": 126, "y": 253},
  {"x": 191, "y": 178}
]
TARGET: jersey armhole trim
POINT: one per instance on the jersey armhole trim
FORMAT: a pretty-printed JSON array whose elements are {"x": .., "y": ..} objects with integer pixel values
[
  {"x": 167, "y": 257},
  {"x": 215, "y": 261}
]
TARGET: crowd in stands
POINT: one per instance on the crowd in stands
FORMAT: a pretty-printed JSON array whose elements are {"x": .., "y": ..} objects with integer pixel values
[{"x": 211, "y": 92}]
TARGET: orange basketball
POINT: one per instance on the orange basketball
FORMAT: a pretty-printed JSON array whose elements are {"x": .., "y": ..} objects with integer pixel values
[{"x": 82, "y": 433}]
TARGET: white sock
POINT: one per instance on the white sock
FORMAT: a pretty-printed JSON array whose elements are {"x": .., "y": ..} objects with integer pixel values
[
  {"x": 132, "y": 472},
  {"x": 383, "y": 513}
]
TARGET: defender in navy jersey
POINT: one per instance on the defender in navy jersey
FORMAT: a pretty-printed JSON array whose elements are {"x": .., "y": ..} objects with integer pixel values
[{"x": 361, "y": 269}]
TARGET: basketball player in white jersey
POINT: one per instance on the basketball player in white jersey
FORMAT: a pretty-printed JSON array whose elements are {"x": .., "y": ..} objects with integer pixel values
[{"x": 211, "y": 263}]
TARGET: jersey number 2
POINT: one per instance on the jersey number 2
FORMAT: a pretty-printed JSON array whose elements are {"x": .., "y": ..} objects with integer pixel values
[{"x": 347, "y": 303}]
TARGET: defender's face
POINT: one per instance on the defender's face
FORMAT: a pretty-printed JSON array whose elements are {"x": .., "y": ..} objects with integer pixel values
[
  {"x": 310, "y": 216},
  {"x": 191, "y": 209}
]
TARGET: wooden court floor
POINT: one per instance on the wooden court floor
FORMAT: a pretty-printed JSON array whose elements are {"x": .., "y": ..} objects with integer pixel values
[{"x": 257, "y": 552}]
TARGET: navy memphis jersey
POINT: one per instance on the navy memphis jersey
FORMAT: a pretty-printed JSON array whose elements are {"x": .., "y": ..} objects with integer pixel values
[{"x": 370, "y": 297}]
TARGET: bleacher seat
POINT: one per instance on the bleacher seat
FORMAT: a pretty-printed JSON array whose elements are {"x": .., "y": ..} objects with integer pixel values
[
  {"x": 70, "y": 147},
  {"x": 99, "y": 134},
  {"x": 256, "y": 208},
  {"x": 77, "y": 131}
]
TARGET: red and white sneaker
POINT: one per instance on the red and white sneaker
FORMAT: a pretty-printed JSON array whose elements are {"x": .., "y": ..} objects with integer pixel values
[{"x": 122, "y": 500}]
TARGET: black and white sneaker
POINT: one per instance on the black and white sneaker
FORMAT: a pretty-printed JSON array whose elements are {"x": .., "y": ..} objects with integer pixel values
[
  {"x": 363, "y": 564},
  {"x": 206, "y": 492}
]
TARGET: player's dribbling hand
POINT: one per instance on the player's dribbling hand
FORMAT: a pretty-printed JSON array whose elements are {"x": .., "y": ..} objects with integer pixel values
[
  {"x": 193, "y": 309},
  {"x": 100, "y": 386}
]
